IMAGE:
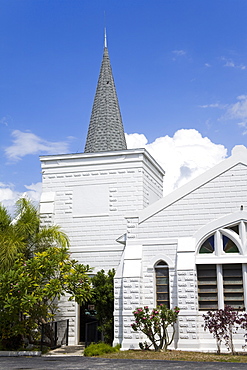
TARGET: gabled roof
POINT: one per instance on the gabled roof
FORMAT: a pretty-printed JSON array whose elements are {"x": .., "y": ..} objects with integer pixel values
[
  {"x": 105, "y": 131},
  {"x": 239, "y": 155}
]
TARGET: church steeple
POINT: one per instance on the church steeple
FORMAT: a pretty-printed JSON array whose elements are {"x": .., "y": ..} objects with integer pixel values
[{"x": 105, "y": 131}]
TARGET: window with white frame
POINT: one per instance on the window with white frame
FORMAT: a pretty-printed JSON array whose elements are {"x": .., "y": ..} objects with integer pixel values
[
  {"x": 220, "y": 268},
  {"x": 162, "y": 283}
]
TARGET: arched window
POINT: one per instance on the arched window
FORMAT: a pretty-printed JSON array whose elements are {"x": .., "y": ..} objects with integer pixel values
[
  {"x": 162, "y": 283},
  {"x": 220, "y": 282},
  {"x": 225, "y": 245}
]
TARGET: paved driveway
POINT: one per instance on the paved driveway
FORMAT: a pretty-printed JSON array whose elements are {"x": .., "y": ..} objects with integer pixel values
[{"x": 80, "y": 362}]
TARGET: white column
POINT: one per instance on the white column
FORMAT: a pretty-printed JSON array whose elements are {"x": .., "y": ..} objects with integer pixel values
[
  {"x": 244, "y": 267},
  {"x": 242, "y": 234},
  {"x": 220, "y": 287}
]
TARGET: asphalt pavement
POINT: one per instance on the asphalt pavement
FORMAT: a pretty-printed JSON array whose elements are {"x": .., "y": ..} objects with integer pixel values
[{"x": 89, "y": 363}]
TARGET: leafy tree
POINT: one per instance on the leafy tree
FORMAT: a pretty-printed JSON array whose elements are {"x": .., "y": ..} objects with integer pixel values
[
  {"x": 35, "y": 270},
  {"x": 222, "y": 324},
  {"x": 154, "y": 324},
  {"x": 103, "y": 299}
]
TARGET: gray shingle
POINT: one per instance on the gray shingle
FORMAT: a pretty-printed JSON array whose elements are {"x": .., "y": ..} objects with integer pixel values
[{"x": 105, "y": 131}]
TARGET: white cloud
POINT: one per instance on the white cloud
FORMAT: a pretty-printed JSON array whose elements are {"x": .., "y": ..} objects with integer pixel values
[
  {"x": 4, "y": 121},
  {"x": 238, "y": 110},
  {"x": 136, "y": 141},
  {"x": 183, "y": 156},
  {"x": 179, "y": 52},
  {"x": 8, "y": 195},
  {"x": 242, "y": 124},
  {"x": 25, "y": 143},
  {"x": 214, "y": 105},
  {"x": 34, "y": 191},
  {"x": 235, "y": 111},
  {"x": 230, "y": 63}
]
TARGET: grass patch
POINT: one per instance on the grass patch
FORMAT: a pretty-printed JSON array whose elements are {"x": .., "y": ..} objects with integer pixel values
[
  {"x": 100, "y": 349},
  {"x": 177, "y": 356}
]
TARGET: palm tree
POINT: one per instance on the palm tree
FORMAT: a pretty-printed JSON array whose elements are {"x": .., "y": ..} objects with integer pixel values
[{"x": 25, "y": 235}]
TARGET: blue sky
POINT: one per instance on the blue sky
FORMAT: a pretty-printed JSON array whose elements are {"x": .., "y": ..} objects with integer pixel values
[{"x": 180, "y": 68}]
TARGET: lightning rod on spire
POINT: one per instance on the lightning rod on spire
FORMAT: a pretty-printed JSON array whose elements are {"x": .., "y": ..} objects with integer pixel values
[{"x": 105, "y": 39}]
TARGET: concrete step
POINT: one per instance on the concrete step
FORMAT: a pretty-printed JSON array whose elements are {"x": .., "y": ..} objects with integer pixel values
[{"x": 67, "y": 351}]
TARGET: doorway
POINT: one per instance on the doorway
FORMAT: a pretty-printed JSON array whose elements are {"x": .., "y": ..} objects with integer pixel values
[{"x": 89, "y": 332}]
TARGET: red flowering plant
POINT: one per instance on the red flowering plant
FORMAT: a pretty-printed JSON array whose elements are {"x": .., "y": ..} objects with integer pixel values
[{"x": 154, "y": 324}]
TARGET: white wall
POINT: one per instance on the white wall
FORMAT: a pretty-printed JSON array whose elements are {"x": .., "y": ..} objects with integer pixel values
[
  {"x": 88, "y": 196},
  {"x": 170, "y": 231}
]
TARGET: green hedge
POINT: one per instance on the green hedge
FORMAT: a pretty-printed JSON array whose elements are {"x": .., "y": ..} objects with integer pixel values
[{"x": 99, "y": 349}]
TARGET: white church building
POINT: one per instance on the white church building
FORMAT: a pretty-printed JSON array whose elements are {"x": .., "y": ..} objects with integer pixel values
[{"x": 187, "y": 249}]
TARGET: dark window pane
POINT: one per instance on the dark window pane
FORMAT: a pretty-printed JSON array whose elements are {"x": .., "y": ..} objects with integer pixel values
[
  {"x": 234, "y": 228},
  {"x": 162, "y": 296},
  {"x": 207, "y": 246},
  {"x": 161, "y": 272},
  {"x": 162, "y": 284},
  {"x": 161, "y": 263},
  {"x": 207, "y": 287},
  {"x": 162, "y": 280},
  {"x": 229, "y": 246},
  {"x": 233, "y": 285},
  {"x": 162, "y": 288}
]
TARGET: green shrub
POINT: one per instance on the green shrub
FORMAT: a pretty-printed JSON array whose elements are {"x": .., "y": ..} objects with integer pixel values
[{"x": 99, "y": 349}]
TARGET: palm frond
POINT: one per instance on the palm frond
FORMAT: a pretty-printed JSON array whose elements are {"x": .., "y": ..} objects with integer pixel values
[
  {"x": 5, "y": 218},
  {"x": 27, "y": 218},
  {"x": 10, "y": 245},
  {"x": 51, "y": 236}
]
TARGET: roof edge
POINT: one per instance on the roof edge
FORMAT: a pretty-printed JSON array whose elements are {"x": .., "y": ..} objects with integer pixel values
[
  {"x": 239, "y": 155},
  {"x": 143, "y": 151}
]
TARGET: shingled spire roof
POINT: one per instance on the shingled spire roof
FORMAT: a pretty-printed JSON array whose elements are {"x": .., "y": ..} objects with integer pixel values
[{"x": 105, "y": 131}]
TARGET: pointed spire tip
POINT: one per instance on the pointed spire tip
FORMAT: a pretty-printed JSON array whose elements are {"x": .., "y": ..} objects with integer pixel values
[{"x": 105, "y": 43}]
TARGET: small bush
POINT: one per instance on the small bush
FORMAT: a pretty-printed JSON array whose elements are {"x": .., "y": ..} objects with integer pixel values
[
  {"x": 12, "y": 343},
  {"x": 99, "y": 349}
]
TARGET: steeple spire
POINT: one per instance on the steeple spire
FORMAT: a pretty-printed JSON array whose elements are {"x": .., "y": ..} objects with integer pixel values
[{"x": 105, "y": 131}]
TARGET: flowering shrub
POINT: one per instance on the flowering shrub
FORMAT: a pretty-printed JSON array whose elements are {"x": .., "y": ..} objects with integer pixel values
[
  {"x": 243, "y": 325},
  {"x": 223, "y": 324},
  {"x": 154, "y": 324}
]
